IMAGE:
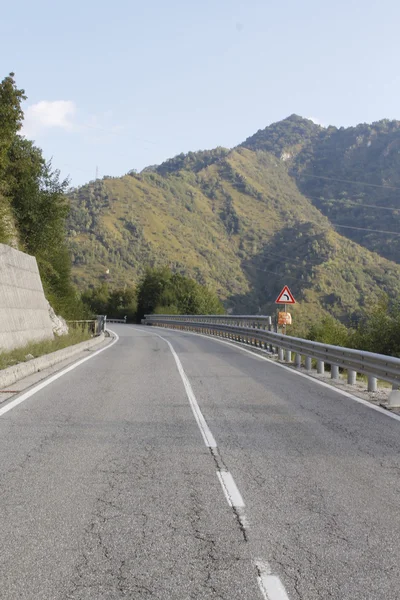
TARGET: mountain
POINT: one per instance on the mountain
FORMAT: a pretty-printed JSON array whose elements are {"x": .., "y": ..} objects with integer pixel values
[
  {"x": 351, "y": 175},
  {"x": 233, "y": 219}
]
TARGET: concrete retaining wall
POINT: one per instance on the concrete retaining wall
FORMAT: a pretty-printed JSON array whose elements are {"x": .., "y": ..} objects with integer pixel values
[{"x": 24, "y": 314}]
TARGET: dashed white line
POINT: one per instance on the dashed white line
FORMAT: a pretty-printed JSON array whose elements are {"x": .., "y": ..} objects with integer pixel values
[
  {"x": 272, "y": 588},
  {"x": 208, "y": 437},
  {"x": 230, "y": 489},
  {"x": 270, "y": 585},
  {"x": 332, "y": 388},
  {"x": 50, "y": 380}
]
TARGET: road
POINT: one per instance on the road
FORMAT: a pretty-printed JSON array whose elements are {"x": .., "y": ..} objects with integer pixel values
[{"x": 204, "y": 474}]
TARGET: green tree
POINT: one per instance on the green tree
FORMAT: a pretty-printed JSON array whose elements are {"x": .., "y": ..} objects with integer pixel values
[
  {"x": 11, "y": 117},
  {"x": 97, "y": 299},
  {"x": 153, "y": 291},
  {"x": 122, "y": 303},
  {"x": 37, "y": 197},
  {"x": 379, "y": 329},
  {"x": 166, "y": 293},
  {"x": 329, "y": 331},
  {"x": 33, "y": 205},
  {"x": 117, "y": 303}
]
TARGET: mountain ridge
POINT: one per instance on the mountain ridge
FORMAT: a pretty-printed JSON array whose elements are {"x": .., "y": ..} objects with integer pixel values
[{"x": 234, "y": 219}]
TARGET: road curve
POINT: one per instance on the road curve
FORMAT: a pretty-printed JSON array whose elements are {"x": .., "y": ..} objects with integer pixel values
[{"x": 177, "y": 467}]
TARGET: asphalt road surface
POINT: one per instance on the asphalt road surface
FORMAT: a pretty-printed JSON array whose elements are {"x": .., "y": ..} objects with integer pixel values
[{"x": 196, "y": 471}]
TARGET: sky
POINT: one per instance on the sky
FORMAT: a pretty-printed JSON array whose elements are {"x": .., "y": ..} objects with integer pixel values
[{"x": 115, "y": 86}]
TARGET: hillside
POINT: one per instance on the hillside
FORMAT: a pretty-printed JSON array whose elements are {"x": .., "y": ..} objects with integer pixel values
[
  {"x": 352, "y": 175},
  {"x": 234, "y": 220}
]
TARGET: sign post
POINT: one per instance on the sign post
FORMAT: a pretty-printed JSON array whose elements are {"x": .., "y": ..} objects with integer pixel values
[{"x": 285, "y": 297}]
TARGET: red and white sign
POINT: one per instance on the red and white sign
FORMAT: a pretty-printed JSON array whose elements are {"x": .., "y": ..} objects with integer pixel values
[{"x": 285, "y": 297}]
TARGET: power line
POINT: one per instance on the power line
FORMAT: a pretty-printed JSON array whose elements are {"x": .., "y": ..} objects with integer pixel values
[
  {"x": 386, "y": 187},
  {"x": 295, "y": 259},
  {"x": 365, "y": 229},
  {"x": 353, "y": 202},
  {"x": 274, "y": 273}
]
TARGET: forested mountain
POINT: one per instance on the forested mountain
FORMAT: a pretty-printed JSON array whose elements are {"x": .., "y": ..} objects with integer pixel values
[
  {"x": 239, "y": 220},
  {"x": 352, "y": 175}
]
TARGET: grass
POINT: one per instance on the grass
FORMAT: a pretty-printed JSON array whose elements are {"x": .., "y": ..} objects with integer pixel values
[{"x": 36, "y": 349}]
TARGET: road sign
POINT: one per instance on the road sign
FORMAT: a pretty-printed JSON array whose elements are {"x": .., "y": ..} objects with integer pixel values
[
  {"x": 285, "y": 297},
  {"x": 284, "y": 318}
]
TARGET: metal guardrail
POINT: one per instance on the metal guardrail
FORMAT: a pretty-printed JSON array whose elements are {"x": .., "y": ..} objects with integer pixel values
[
  {"x": 375, "y": 366},
  {"x": 92, "y": 326},
  {"x": 253, "y": 321},
  {"x": 116, "y": 320}
]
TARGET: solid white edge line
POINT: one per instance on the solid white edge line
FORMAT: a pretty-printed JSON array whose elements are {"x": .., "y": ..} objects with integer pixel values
[
  {"x": 208, "y": 437},
  {"x": 309, "y": 377},
  {"x": 230, "y": 489},
  {"x": 54, "y": 377}
]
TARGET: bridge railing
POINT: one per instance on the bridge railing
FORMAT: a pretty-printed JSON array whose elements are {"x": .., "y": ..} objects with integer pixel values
[
  {"x": 93, "y": 327},
  {"x": 116, "y": 320},
  {"x": 235, "y": 327},
  {"x": 251, "y": 321}
]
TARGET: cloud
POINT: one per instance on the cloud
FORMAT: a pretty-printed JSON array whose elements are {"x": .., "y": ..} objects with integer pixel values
[{"x": 45, "y": 115}]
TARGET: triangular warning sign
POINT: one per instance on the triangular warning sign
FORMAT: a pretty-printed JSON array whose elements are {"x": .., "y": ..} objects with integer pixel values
[{"x": 285, "y": 297}]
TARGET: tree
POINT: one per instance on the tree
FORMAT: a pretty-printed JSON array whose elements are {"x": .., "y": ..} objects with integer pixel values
[
  {"x": 161, "y": 291},
  {"x": 33, "y": 206},
  {"x": 329, "y": 331},
  {"x": 38, "y": 200},
  {"x": 97, "y": 299},
  {"x": 11, "y": 117},
  {"x": 122, "y": 303},
  {"x": 379, "y": 329}
]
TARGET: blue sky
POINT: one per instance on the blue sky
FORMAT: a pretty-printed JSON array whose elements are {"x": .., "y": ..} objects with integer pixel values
[{"x": 125, "y": 84}]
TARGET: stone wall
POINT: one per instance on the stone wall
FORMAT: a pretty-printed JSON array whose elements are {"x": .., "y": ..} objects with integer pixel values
[{"x": 24, "y": 312}]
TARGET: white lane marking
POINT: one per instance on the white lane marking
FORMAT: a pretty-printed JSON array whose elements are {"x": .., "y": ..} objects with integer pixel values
[
  {"x": 263, "y": 567},
  {"x": 272, "y": 588},
  {"x": 50, "y": 380},
  {"x": 379, "y": 409},
  {"x": 208, "y": 437},
  {"x": 230, "y": 489},
  {"x": 270, "y": 585}
]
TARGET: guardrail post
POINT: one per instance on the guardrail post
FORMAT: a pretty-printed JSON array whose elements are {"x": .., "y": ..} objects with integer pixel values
[
  {"x": 297, "y": 360},
  {"x": 320, "y": 367},
  {"x": 288, "y": 356},
  {"x": 280, "y": 354},
  {"x": 372, "y": 383},
  {"x": 394, "y": 397},
  {"x": 334, "y": 372},
  {"x": 308, "y": 364},
  {"x": 351, "y": 376},
  {"x": 271, "y": 349}
]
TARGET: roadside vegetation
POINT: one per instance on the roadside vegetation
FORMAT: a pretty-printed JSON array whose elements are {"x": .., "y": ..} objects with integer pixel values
[
  {"x": 158, "y": 291},
  {"x": 36, "y": 349},
  {"x": 378, "y": 330},
  {"x": 33, "y": 204}
]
